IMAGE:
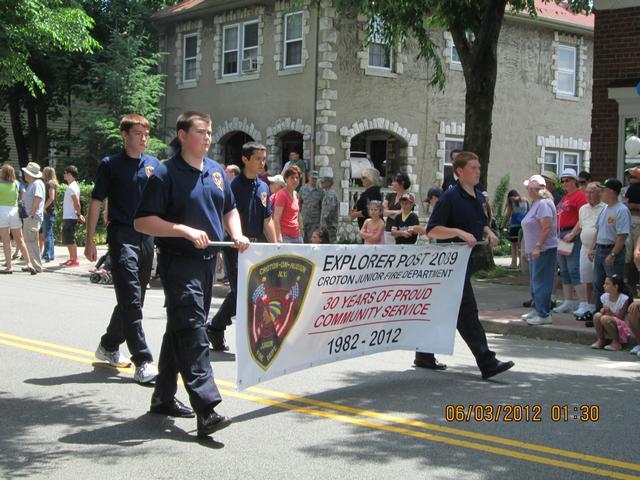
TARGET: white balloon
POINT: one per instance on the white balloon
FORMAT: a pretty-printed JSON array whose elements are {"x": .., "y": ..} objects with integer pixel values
[{"x": 632, "y": 146}]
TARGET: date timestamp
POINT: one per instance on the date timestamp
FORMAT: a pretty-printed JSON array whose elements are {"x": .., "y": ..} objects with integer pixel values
[{"x": 526, "y": 413}]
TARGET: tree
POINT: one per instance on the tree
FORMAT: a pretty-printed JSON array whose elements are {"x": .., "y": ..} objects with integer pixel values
[
  {"x": 34, "y": 38},
  {"x": 122, "y": 78},
  {"x": 30, "y": 27},
  {"x": 399, "y": 20},
  {"x": 475, "y": 27}
]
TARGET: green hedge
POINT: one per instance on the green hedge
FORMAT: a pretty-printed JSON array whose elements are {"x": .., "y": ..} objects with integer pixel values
[{"x": 85, "y": 199}]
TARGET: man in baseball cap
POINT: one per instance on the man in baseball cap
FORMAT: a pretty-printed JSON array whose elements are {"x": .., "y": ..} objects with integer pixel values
[{"x": 612, "y": 229}]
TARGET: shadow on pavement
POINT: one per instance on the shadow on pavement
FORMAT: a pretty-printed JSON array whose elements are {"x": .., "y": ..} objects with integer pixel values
[
  {"x": 99, "y": 374},
  {"x": 26, "y": 452}
]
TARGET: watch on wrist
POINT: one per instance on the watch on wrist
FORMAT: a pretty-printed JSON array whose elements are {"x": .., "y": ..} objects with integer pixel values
[{"x": 613, "y": 254}]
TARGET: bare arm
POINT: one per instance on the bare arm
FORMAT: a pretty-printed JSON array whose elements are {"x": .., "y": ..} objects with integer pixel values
[
  {"x": 446, "y": 233},
  {"x": 92, "y": 220},
  {"x": 34, "y": 207},
  {"x": 269, "y": 230},
  {"x": 51, "y": 197},
  {"x": 77, "y": 207},
  {"x": 363, "y": 231},
  {"x": 277, "y": 215},
  {"x": 233, "y": 226},
  {"x": 156, "y": 226}
]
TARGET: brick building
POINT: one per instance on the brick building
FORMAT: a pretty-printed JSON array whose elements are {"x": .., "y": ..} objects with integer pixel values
[{"x": 616, "y": 74}]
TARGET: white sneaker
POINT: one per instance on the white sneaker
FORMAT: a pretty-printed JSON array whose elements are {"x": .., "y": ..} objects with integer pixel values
[
  {"x": 145, "y": 373},
  {"x": 582, "y": 309},
  {"x": 537, "y": 320},
  {"x": 529, "y": 315},
  {"x": 115, "y": 359},
  {"x": 635, "y": 350},
  {"x": 565, "y": 307}
]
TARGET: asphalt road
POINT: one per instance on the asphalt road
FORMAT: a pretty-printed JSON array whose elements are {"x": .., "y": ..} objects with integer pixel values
[{"x": 64, "y": 416}]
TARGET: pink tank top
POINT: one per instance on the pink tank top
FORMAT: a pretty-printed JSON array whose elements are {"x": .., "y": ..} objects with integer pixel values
[{"x": 376, "y": 240}]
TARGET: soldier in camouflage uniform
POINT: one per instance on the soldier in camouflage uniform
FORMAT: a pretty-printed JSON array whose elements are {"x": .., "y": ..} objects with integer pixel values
[
  {"x": 311, "y": 202},
  {"x": 329, "y": 211}
]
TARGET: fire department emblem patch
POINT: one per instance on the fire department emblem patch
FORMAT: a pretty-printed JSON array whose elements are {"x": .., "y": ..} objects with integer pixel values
[
  {"x": 277, "y": 290},
  {"x": 263, "y": 198},
  {"x": 217, "y": 178}
]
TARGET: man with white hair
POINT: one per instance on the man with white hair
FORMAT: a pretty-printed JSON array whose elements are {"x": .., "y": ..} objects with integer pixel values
[{"x": 586, "y": 226}]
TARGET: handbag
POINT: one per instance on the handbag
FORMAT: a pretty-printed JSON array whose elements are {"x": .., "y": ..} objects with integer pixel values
[
  {"x": 22, "y": 211},
  {"x": 565, "y": 248}
]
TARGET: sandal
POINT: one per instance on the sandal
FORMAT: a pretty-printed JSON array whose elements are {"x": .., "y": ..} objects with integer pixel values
[
  {"x": 31, "y": 270},
  {"x": 6, "y": 271}
]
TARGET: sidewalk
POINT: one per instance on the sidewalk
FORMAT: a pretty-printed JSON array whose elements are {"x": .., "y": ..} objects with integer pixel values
[{"x": 499, "y": 301}]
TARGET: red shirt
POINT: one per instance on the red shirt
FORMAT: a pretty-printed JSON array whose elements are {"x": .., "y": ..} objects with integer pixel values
[
  {"x": 289, "y": 225},
  {"x": 568, "y": 209}
]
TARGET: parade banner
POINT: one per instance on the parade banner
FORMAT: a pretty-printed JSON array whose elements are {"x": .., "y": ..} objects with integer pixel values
[{"x": 299, "y": 306}]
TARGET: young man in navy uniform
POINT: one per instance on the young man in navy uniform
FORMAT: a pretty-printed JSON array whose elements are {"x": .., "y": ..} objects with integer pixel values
[
  {"x": 254, "y": 208},
  {"x": 121, "y": 178},
  {"x": 459, "y": 216},
  {"x": 187, "y": 203}
]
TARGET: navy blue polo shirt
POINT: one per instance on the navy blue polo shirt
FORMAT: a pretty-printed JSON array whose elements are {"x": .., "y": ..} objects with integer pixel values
[
  {"x": 457, "y": 209},
  {"x": 122, "y": 179},
  {"x": 179, "y": 193},
  {"x": 252, "y": 202}
]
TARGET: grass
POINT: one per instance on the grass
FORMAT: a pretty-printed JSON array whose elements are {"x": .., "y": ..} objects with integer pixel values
[{"x": 497, "y": 272}]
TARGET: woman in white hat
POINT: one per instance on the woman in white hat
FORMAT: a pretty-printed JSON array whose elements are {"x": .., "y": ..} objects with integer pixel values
[
  {"x": 34, "y": 205},
  {"x": 9, "y": 217},
  {"x": 541, "y": 245}
]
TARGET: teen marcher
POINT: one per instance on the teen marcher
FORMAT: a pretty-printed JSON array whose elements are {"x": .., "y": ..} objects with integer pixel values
[
  {"x": 187, "y": 203},
  {"x": 459, "y": 216},
  {"x": 71, "y": 215},
  {"x": 254, "y": 208},
  {"x": 121, "y": 178},
  {"x": 311, "y": 195}
]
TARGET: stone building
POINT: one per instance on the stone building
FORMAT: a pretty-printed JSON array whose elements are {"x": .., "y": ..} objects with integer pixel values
[
  {"x": 616, "y": 76},
  {"x": 298, "y": 75}
]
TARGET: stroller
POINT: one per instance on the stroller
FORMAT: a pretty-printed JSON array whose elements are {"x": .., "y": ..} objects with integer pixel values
[{"x": 101, "y": 273}]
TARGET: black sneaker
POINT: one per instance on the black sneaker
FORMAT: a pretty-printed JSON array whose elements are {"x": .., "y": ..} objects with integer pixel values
[
  {"x": 211, "y": 423},
  {"x": 174, "y": 409},
  {"x": 218, "y": 343}
]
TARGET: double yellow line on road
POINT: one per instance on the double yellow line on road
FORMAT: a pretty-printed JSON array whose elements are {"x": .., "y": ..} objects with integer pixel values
[{"x": 376, "y": 420}]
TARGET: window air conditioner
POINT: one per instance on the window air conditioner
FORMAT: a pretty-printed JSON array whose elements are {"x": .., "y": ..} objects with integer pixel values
[{"x": 249, "y": 65}]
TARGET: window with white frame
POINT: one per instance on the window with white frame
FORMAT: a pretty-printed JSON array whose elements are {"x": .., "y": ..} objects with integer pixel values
[
  {"x": 451, "y": 144},
  {"x": 379, "y": 49},
  {"x": 293, "y": 35},
  {"x": 567, "y": 56},
  {"x": 455, "y": 58},
  {"x": 189, "y": 57},
  {"x": 557, "y": 160},
  {"x": 240, "y": 48}
]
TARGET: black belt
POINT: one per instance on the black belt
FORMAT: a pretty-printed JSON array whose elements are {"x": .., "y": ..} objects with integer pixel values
[{"x": 599, "y": 245}]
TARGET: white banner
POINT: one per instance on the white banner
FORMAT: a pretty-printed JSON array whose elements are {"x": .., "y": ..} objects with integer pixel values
[{"x": 300, "y": 306}]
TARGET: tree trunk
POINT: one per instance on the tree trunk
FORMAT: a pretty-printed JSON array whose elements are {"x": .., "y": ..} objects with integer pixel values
[
  {"x": 42, "y": 141},
  {"x": 17, "y": 129},
  {"x": 32, "y": 129}
]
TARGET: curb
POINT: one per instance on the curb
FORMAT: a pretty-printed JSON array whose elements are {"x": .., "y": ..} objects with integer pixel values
[{"x": 555, "y": 333}]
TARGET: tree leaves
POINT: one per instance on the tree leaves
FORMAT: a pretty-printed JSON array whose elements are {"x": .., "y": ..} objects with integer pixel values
[{"x": 36, "y": 27}]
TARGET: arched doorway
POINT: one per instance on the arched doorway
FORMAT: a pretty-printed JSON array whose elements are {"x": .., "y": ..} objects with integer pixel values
[
  {"x": 232, "y": 147},
  {"x": 386, "y": 151},
  {"x": 291, "y": 142}
]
